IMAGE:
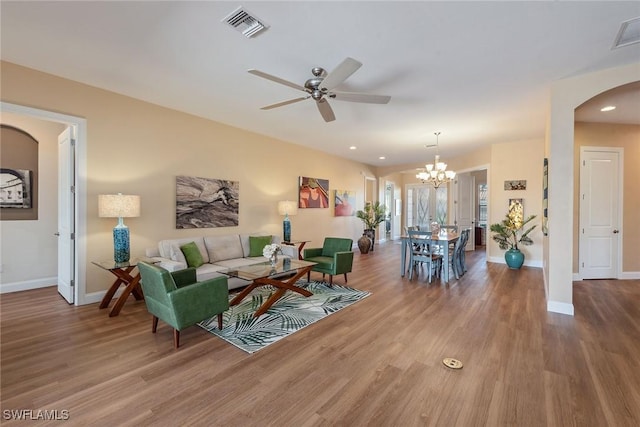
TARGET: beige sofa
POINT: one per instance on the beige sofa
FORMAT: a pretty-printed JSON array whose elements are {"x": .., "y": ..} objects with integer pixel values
[{"x": 218, "y": 253}]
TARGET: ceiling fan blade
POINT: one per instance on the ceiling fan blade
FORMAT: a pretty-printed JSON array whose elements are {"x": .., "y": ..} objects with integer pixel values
[
  {"x": 360, "y": 97},
  {"x": 283, "y": 103},
  {"x": 276, "y": 79},
  {"x": 325, "y": 110},
  {"x": 340, "y": 73}
]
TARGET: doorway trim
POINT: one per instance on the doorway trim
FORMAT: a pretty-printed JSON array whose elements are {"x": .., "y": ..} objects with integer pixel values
[
  {"x": 453, "y": 205},
  {"x": 79, "y": 126}
]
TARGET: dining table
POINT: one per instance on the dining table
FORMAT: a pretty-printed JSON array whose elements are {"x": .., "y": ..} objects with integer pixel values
[{"x": 442, "y": 239}]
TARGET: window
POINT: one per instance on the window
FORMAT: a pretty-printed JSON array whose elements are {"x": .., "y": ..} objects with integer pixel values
[
  {"x": 482, "y": 205},
  {"x": 426, "y": 204}
]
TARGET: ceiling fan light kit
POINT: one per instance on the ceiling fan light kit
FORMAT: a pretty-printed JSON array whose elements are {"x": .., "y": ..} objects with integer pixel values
[{"x": 321, "y": 85}]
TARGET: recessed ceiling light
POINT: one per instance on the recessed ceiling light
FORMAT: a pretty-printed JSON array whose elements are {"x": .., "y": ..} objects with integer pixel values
[
  {"x": 382, "y": 157},
  {"x": 608, "y": 108},
  {"x": 353, "y": 147}
]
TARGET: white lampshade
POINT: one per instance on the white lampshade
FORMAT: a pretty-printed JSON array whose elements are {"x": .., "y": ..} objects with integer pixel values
[
  {"x": 118, "y": 206},
  {"x": 287, "y": 207}
]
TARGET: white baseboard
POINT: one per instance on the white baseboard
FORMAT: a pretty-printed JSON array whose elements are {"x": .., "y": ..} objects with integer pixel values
[
  {"x": 630, "y": 275},
  {"x": 92, "y": 298},
  {"x": 500, "y": 260},
  {"x": 560, "y": 307},
  {"x": 28, "y": 285},
  {"x": 96, "y": 297},
  {"x": 625, "y": 275}
]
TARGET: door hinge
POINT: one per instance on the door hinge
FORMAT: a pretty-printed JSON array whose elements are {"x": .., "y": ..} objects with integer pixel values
[
  {"x": 72, "y": 283},
  {"x": 73, "y": 142},
  {"x": 73, "y": 236},
  {"x": 584, "y": 163},
  {"x": 73, "y": 189}
]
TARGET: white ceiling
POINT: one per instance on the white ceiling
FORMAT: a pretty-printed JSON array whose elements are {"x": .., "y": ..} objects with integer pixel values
[{"x": 479, "y": 72}]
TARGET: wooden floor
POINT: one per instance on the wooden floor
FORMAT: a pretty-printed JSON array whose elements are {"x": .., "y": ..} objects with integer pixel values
[{"x": 375, "y": 363}]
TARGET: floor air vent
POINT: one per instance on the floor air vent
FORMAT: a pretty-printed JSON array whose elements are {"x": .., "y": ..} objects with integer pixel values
[{"x": 245, "y": 22}]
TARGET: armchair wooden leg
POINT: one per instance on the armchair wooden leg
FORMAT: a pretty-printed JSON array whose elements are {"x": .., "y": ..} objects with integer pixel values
[
  {"x": 308, "y": 276},
  {"x": 330, "y": 279},
  {"x": 220, "y": 321},
  {"x": 345, "y": 277},
  {"x": 154, "y": 325},
  {"x": 176, "y": 338}
]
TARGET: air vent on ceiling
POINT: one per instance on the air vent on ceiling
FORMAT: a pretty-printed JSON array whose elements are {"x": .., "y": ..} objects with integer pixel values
[
  {"x": 245, "y": 22},
  {"x": 629, "y": 33}
]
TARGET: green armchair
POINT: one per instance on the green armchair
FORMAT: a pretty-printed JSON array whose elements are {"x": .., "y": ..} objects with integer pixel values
[
  {"x": 179, "y": 300},
  {"x": 334, "y": 257}
]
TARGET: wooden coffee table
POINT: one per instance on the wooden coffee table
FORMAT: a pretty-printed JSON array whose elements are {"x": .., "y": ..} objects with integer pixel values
[{"x": 263, "y": 274}]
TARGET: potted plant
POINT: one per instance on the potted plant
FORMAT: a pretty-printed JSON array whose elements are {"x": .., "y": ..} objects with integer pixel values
[
  {"x": 372, "y": 215},
  {"x": 509, "y": 233}
]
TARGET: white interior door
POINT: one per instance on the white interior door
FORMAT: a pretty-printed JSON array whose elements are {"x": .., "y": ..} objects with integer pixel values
[
  {"x": 66, "y": 216},
  {"x": 466, "y": 206},
  {"x": 599, "y": 212}
]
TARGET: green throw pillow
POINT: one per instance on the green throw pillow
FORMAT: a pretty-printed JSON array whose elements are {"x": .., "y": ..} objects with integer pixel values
[
  {"x": 257, "y": 244},
  {"x": 192, "y": 254}
]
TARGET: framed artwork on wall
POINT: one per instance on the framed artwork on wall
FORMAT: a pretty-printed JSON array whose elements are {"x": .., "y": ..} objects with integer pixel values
[
  {"x": 206, "y": 202},
  {"x": 313, "y": 193},
  {"x": 515, "y": 184},
  {"x": 15, "y": 188},
  {"x": 516, "y": 210},
  {"x": 345, "y": 201}
]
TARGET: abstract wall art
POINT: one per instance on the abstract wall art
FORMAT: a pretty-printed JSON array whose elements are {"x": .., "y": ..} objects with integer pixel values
[
  {"x": 517, "y": 184},
  {"x": 313, "y": 193},
  {"x": 206, "y": 202},
  {"x": 345, "y": 201}
]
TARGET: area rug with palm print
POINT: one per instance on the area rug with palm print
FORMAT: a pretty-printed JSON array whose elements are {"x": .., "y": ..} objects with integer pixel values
[{"x": 289, "y": 314}]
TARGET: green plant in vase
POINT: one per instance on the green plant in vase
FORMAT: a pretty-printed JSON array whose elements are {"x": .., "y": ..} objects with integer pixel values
[
  {"x": 511, "y": 232},
  {"x": 372, "y": 216}
]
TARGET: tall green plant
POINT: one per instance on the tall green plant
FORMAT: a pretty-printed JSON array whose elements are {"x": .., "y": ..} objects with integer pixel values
[
  {"x": 372, "y": 215},
  {"x": 510, "y": 232}
]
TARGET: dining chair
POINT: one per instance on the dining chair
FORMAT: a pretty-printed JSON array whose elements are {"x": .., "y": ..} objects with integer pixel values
[
  {"x": 449, "y": 228},
  {"x": 409, "y": 228},
  {"x": 464, "y": 238},
  {"x": 422, "y": 254},
  {"x": 454, "y": 258}
]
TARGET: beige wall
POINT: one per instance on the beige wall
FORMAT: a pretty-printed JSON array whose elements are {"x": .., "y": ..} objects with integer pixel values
[
  {"x": 24, "y": 242},
  {"x": 139, "y": 148},
  {"x": 516, "y": 161},
  {"x": 506, "y": 161},
  {"x": 566, "y": 96},
  {"x": 628, "y": 138}
]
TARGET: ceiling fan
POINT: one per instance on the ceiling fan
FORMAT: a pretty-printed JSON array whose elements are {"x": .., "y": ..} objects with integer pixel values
[{"x": 320, "y": 87}]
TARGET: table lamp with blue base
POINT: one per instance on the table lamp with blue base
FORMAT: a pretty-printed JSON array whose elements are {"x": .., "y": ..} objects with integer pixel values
[
  {"x": 119, "y": 206},
  {"x": 287, "y": 208}
]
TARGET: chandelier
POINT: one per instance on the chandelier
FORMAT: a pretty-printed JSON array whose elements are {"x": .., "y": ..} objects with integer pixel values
[{"x": 436, "y": 173}]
